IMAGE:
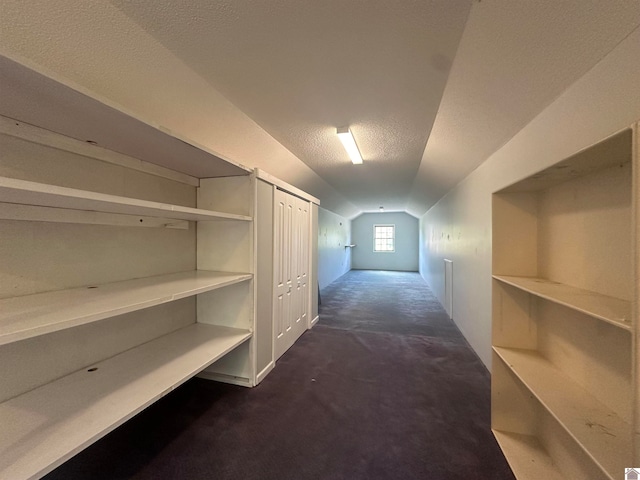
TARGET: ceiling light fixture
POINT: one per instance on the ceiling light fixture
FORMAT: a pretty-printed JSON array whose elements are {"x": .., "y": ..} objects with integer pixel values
[{"x": 349, "y": 143}]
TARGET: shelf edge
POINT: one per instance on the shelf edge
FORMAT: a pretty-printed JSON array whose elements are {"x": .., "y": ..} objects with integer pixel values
[
  {"x": 622, "y": 324},
  {"x": 47, "y": 195},
  {"x": 100, "y": 430},
  {"x": 24, "y": 334}
]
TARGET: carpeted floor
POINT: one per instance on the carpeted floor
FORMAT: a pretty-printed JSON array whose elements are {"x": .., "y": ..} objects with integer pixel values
[{"x": 384, "y": 387}]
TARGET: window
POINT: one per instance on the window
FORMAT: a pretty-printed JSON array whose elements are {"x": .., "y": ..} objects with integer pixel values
[{"x": 384, "y": 238}]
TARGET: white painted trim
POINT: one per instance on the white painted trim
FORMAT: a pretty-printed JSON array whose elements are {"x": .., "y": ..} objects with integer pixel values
[
  {"x": 253, "y": 250},
  {"x": 265, "y": 371},
  {"x": 282, "y": 185},
  {"x": 314, "y": 321},
  {"x": 40, "y": 136}
]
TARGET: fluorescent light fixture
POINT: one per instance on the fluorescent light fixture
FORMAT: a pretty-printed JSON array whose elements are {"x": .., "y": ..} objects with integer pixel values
[{"x": 349, "y": 143}]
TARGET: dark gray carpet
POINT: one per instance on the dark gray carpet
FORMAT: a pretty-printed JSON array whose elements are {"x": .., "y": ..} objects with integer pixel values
[
  {"x": 385, "y": 387},
  {"x": 382, "y": 301}
]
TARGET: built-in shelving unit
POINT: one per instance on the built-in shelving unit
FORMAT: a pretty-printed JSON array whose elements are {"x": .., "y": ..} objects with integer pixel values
[
  {"x": 565, "y": 315},
  {"x": 129, "y": 264},
  {"x": 46, "y": 426},
  {"x": 98, "y": 317}
]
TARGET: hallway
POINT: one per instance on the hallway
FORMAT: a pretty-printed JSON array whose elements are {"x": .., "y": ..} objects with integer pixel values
[
  {"x": 432, "y": 393},
  {"x": 384, "y": 387}
]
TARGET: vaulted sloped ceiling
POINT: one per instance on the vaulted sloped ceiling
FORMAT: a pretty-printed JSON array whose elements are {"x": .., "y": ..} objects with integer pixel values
[
  {"x": 430, "y": 88},
  {"x": 514, "y": 59},
  {"x": 302, "y": 68}
]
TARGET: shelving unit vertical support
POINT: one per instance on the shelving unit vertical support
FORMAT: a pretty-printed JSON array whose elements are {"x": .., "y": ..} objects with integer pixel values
[{"x": 229, "y": 247}]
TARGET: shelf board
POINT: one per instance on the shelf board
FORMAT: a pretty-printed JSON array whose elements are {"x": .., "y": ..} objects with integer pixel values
[
  {"x": 45, "y": 427},
  {"x": 31, "y": 193},
  {"x": 610, "y": 152},
  {"x": 526, "y": 457},
  {"x": 32, "y": 315},
  {"x": 601, "y": 433},
  {"x": 74, "y": 112},
  {"x": 608, "y": 309}
]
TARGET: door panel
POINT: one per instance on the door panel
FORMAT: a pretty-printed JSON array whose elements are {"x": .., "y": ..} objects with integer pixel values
[
  {"x": 280, "y": 267},
  {"x": 289, "y": 249},
  {"x": 303, "y": 262},
  {"x": 291, "y": 259}
]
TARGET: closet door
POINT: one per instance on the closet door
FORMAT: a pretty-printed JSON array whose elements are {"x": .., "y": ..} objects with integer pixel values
[
  {"x": 291, "y": 258},
  {"x": 282, "y": 222},
  {"x": 302, "y": 266}
]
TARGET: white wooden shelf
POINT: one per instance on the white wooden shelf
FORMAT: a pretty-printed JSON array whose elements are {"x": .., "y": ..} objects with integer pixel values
[
  {"x": 602, "y": 434},
  {"x": 527, "y": 458},
  {"x": 32, "y": 315},
  {"x": 608, "y": 309},
  {"x": 35, "y": 98},
  {"x": 31, "y": 193},
  {"x": 45, "y": 427}
]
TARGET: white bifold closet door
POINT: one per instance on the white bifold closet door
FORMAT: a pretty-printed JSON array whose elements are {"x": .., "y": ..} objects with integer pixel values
[{"x": 291, "y": 269}]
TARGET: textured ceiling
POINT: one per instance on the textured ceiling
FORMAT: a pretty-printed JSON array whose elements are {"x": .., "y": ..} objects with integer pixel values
[
  {"x": 302, "y": 68},
  {"x": 431, "y": 88}
]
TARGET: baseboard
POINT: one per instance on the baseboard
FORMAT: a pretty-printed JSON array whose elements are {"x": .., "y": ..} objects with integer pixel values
[
  {"x": 314, "y": 321},
  {"x": 221, "y": 377},
  {"x": 265, "y": 372}
]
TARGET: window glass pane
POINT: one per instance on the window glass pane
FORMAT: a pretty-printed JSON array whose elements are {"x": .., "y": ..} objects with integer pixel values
[{"x": 383, "y": 238}]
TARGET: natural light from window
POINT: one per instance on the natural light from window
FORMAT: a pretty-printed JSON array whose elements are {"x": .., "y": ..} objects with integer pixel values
[{"x": 384, "y": 238}]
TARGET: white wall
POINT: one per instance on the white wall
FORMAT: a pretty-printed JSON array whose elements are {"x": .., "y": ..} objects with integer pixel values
[
  {"x": 603, "y": 101},
  {"x": 405, "y": 257},
  {"x": 334, "y": 260}
]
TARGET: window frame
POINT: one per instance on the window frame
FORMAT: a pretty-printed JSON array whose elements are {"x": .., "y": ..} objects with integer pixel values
[{"x": 392, "y": 238}]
